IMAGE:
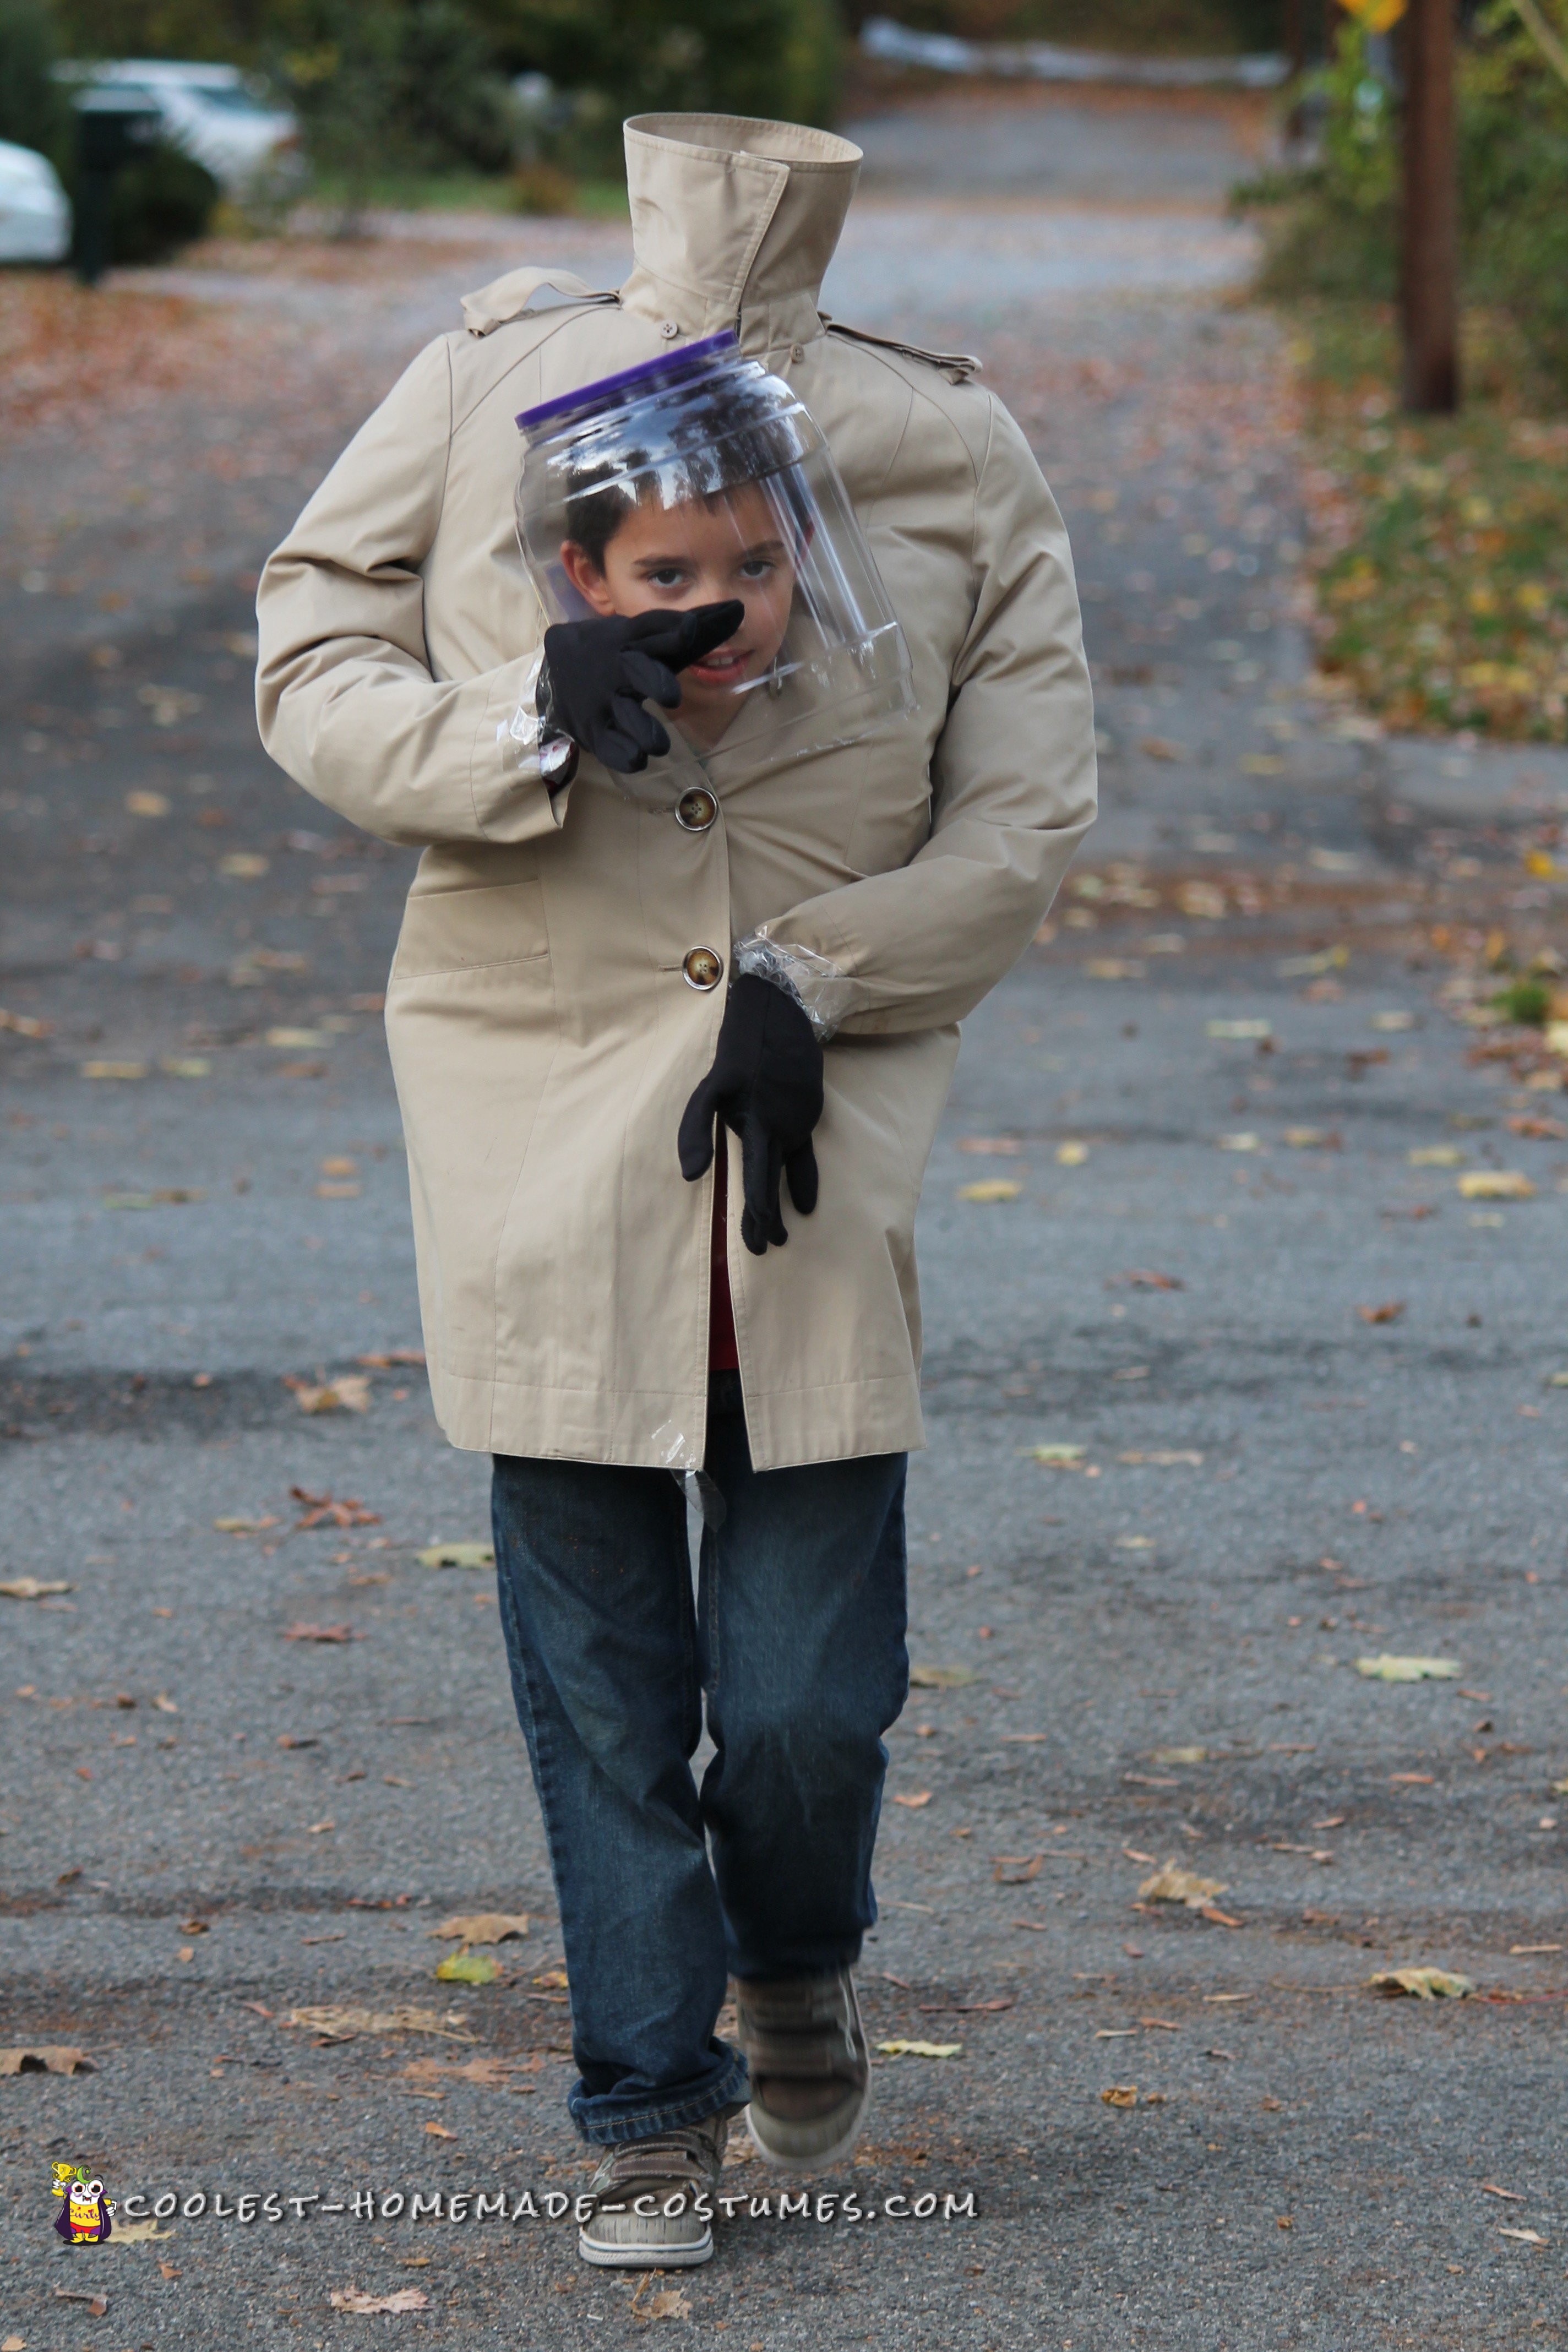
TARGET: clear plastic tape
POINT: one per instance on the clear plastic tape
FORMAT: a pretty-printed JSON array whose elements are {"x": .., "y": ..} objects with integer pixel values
[
  {"x": 824, "y": 995},
  {"x": 679, "y": 1456},
  {"x": 519, "y": 736}
]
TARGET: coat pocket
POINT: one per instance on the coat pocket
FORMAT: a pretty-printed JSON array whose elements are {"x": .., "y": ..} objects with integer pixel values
[{"x": 463, "y": 930}]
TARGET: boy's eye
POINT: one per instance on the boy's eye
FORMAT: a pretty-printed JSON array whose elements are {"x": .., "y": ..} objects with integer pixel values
[
  {"x": 757, "y": 567},
  {"x": 669, "y": 575}
]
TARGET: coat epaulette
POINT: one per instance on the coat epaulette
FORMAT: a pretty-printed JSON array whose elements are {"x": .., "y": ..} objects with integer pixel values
[
  {"x": 507, "y": 298},
  {"x": 957, "y": 366}
]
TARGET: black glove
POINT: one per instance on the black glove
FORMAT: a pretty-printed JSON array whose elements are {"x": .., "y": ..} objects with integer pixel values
[
  {"x": 766, "y": 1084},
  {"x": 598, "y": 674}
]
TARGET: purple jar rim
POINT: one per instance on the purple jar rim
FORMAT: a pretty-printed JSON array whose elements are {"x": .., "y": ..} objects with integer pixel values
[{"x": 662, "y": 369}]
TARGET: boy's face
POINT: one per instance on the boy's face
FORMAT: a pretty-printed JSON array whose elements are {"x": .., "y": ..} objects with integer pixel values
[{"x": 701, "y": 551}]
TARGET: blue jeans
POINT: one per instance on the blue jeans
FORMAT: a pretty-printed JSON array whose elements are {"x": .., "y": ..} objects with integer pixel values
[{"x": 797, "y": 1641}]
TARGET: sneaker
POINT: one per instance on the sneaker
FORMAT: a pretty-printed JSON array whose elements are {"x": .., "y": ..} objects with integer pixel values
[
  {"x": 672, "y": 2179},
  {"x": 811, "y": 2072}
]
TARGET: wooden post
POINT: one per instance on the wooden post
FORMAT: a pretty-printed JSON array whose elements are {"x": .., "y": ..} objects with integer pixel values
[{"x": 1429, "y": 253}]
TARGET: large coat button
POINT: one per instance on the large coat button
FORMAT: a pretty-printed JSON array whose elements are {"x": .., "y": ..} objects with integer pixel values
[
  {"x": 695, "y": 811},
  {"x": 703, "y": 968}
]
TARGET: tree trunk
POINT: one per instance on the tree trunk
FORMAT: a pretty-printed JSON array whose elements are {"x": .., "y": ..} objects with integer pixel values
[{"x": 1429, "y": 255}]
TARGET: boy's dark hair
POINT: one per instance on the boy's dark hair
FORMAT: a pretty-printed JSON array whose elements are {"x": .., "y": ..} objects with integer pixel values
[{"x": 728, "y": 440}]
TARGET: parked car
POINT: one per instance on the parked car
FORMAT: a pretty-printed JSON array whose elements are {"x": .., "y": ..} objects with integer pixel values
[
  {"x": 35, "y": 211},
  {"x": 212, "y": 112}
]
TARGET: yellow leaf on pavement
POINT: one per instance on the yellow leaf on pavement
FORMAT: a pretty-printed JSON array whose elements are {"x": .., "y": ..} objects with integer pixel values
[
  {"x": 457, "y": 1555},
  {"x": 991, "y": 1188},
  {"x": 483, "y": 1927},
  {"x": 1496, "y": 1184},
  {"x": 1422, "y": 1984},
  {"x": 467, "y": 1968},
  {"x": 1386, "y": 1669},
  {"x": 1173, "y": 1884},
  {"x": 919, "y": 2048}
]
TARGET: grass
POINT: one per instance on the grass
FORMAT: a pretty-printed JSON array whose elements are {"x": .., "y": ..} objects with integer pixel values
[{"x": 1440, "y": 543}]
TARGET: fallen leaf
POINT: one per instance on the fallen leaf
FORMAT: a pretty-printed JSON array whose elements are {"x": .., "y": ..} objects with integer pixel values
[
  {"x": 1166, "y": 1461},
  {"x": 1513, "y": 2196},
  {"x": 467, "y": 1968},
  {"x": 1121, "y": 2094},
  {"x": 324, "y": 1510},
  {"x": 342, "y": 2023},
  {"x": 941, "y": 1678},
  {"x": 482, "y": 1926},
  {"x": 1389, "y": 1312},
  {"x": 1112, "y": 968},
  {"x": 242, "y": 865},
  {"x": 1415, "y": 1779},
  {"x": 553, "y": 1980},
  {"x": 1518, "y": 1950},
  {"x": 999, "y": 1147},
  {"x": 350, "y": 1392},
  {"x": 919, "y": 2048},
  {"x": 407, "y": 2298},
  {"x": 96, "y": 2303},
  {"x": 1239, "y": 1029},
  {"x": 1071, "y": 1154},
  {"x": 1180, "y": 1756},
  {"x": 439, "y": 2131},
  {"x": 237, "y": 1526},
  {"x": 390, "y": 1356},
  {"x": 1161, "y": 747},
  {"x": 1496, "y": 1184},
  {"x": 114, "y": 1069},
  {"x": 1422, "y": 1984},
  {"x": 1173, "y": 1884},
  {"x": 22, "y": 1024},
  {"x": 1386, "y": 1669},
  {"x": 1525, "y": 2237},
  {"x": 29, "y": 1588},
  {"x": 1148, "y": 1278},
  {"x": 457, "y": 1555},
  {"x": 1134, "y": 1855},
  {"x": 16, "y": 2343},
  {"x": 991, "y": 1188},
  {"x": 1056, "y": 1458},
  {"x": 1312, "y": 1139},
  {"x": 1016, "y": 1869},
  {"x": 307, "y": 1632},
  {"x": 136, "y": 2233},
  {"x": 1243, "y": 1143},
  {"x": 916, "y": 1801},
  {"x": 668, "y": 2304},
  {"x": 46, "y": 2058}
]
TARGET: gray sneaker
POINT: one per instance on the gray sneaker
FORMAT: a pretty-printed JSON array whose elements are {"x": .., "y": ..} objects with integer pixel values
[
  {"x": 672, "y": 2181},
  {"x": 811, "y": 2071}
]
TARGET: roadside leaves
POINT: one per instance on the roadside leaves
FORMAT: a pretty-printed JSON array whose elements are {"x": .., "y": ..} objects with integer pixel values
[
  {"x": 30, "y": 1588},
  {"x": 1496, "y": 1184},
  {"x": 1387, "y": 1669},
  {"x": 919, "y": 2048},
  {"x": 1167, "y": 1460},
  {"x": 991, "y": 1188},
  {"x": 922, "y": 1797},
  {"x": 1016, "y": 1869},
  {"x": 405, "y": 2298},
  {"x": 998, "y": 1147},
  {"x": 301, "y": 1631},
  {"x": 350, "y": 1392},
  {"x": 340, "y": 2021},
  {"x": 326, "y": 1510},
  {"x": 941, "y": 1677},
  {"x": 467, "y": 1968},
  {"x": 1173, "y": 1884},
  {"x": 457, "y": 1555},
  {"x": 1421, "y": 1984},
  {"x": 23, "y": 1025},
  {"x": 114, "y": 1069},
  {"x": 136, "y": 2233},
  {"x": 482, "y": 1926},
  {"x": 242, "y": 865},
  {"x": 1434, "y": 1155},
  {"x": 46, "y": 2058},
  {"x": 1057, "y": 1456},
  {"x": 668, "y": 2304},
  {"x": 1389, "y": 1312},
  {"x": 1121, "y": 2094},
  {"x": 1239, "y": 1032}
]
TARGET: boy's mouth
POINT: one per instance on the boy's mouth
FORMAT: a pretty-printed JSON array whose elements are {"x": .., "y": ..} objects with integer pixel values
[{"x": 725, "y": 667}]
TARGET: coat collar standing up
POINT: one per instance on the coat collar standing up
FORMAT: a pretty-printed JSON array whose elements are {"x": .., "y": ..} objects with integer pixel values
[{"x": 733, "y": 223}]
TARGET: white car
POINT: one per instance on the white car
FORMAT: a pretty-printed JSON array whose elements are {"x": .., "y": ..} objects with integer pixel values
[
  {"x": 35, "y": 211},
  {"x": 211, "y": 111}
]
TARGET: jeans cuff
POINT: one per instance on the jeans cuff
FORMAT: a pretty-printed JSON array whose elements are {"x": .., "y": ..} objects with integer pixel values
[{"x": 729, "y": 2090}]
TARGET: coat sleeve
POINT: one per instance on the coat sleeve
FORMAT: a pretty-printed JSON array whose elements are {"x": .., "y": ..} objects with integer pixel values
[
  {"x": 1013, "y": 780},
  {"x": 345, "y": 698}
]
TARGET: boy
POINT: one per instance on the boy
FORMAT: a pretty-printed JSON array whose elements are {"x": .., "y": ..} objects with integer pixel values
[{"x": 568, "y": 971}]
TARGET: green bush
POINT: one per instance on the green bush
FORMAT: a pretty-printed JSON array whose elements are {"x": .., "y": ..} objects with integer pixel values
[
  {"x": 161, "y": 201},
  {"x": 1333, "y": 228},
  {"x": 34, "y": 108}
]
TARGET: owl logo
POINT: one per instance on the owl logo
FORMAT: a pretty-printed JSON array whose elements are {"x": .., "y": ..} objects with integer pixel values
[{"x": 83, "y": 2219}]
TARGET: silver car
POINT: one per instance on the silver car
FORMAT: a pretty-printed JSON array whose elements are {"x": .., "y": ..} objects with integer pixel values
[{"x": 35, "y": 211}]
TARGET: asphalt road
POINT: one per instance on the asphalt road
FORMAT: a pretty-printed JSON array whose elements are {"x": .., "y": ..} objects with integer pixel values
[{"x": 1206, "y": 1085}]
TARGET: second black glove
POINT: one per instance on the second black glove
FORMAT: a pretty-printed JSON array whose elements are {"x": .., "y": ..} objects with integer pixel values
[
  {"x": 765, "y": 1084},
  {"x": 598, "y": 674}
]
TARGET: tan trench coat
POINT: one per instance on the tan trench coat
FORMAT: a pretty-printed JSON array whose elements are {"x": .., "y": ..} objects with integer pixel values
[{"x": 543, "y": 1035}]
